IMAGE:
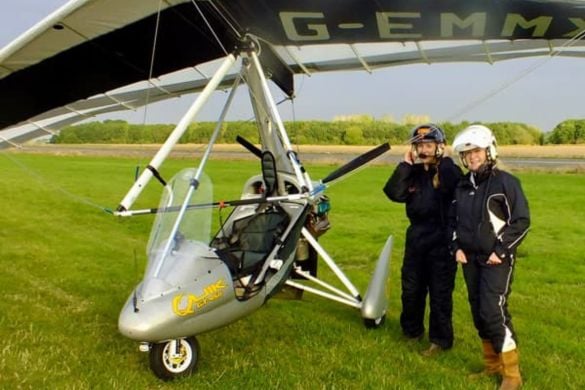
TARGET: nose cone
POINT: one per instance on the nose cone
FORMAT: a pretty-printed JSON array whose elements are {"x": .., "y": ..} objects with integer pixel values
[
  {"x": 167, "y": 310},
  {"x": 147, "y": 323}
]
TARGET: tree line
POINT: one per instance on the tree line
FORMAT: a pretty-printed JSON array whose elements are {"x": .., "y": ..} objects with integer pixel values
[{"x": 361, "y": 131}]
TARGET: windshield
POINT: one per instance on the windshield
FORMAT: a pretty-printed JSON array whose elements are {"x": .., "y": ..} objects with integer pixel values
[{"x": 194, "y": 226}]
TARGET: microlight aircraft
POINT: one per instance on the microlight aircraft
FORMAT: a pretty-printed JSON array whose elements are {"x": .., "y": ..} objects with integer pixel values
[{"x": 92, "y": 57}]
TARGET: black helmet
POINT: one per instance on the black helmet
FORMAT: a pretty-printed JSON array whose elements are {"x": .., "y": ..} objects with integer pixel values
[{"x": 428, "y": 132}]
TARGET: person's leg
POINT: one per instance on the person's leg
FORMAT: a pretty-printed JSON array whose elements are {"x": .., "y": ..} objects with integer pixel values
[
  {"x": 471, "y": 276},
  {"x": 414, "y": 290},
  {"x": 495, "y": 289},
  {"x": 441, "y": 284}
]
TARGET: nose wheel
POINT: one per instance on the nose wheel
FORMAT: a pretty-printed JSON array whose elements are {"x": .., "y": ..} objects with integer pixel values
[{"x": 175, "y": 358}]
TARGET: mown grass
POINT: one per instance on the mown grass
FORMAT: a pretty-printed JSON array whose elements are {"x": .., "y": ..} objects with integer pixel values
[{"x": 66, "y": 268}]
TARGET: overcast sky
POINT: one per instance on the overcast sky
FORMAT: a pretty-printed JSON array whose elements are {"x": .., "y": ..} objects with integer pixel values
[{"x": 441, "y": 91}]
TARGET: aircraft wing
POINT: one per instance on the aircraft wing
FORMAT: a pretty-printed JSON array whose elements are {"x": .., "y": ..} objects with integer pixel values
[{"x": 95, "y": 56}]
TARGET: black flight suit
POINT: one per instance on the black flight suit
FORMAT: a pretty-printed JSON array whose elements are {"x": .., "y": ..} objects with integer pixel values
[
  {"x": 428, "y": 266},
  {"x": 490, "y": 214}
]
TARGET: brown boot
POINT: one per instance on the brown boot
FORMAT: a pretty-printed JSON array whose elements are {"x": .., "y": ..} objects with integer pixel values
[
  {"x": 511, "y": 370},
  {"x": 492, "y": 363}
]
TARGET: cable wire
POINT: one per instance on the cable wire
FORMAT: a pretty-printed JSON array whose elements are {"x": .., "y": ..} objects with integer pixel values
[
  {"x": 209, "y": 26},
  {"x": 152, "y": 59},
  {"x": 51, "y": 185},
  {"x": 514, "y": 80}
]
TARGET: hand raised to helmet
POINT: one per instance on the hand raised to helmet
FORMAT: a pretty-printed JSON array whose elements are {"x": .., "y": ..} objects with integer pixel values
[{"x": 408, "y": 157}]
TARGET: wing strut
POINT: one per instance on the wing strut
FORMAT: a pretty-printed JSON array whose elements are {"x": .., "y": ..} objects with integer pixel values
[{"x": 176, "y": 134}]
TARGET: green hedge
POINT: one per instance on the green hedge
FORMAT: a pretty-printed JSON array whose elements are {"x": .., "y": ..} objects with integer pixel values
[{"x": 351, "y": 132}]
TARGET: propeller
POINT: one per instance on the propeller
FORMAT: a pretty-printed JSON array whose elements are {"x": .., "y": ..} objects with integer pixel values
[
  {"x": 250, "y": 146},
  {"x": 356, "y": 163}
]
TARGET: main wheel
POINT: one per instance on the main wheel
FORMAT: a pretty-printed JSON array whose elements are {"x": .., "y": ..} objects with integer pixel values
[
  {"x": 375, "y": 323},
  {"x": 175, "y": 358}
]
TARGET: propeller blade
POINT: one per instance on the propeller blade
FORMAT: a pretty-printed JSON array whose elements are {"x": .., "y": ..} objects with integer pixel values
[
  {"x": 357, "y": 162},
  {"x": 250, "y": 146}
]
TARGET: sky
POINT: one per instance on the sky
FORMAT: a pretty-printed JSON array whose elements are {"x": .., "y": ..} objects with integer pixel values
[{"x": 547, "y": 91}]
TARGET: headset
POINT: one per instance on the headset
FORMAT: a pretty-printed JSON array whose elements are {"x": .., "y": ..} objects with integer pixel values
[{"x": 440, "y": 150}]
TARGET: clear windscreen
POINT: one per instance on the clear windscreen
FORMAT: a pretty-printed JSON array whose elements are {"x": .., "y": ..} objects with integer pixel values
[{"x": 195, "y": 223}]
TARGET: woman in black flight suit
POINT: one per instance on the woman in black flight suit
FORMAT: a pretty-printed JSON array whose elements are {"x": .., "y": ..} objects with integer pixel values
[
  {"x": 425, "y": 181},
  {"x": 489, "y": 219}
]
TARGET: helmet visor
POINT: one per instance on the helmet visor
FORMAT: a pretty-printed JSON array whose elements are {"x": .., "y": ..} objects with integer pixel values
[
  {"x": 427, "y": 134},
  {"x": 467, "y": 147}
]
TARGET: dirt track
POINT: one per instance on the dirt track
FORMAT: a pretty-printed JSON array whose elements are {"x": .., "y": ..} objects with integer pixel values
[{"x": 564, "y": 157}]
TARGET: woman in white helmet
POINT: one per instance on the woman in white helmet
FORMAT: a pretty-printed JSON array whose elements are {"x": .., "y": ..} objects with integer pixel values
[
  {"x": 489, "y": 219},
  {"x": 425, "y": 182}
]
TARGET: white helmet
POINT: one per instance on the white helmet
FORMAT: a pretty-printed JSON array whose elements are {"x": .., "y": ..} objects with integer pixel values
[{"x": 476, "y": 136}]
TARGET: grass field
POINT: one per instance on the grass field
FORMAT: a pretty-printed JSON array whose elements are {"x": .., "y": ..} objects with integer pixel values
[{"x": 66, "y": 268}]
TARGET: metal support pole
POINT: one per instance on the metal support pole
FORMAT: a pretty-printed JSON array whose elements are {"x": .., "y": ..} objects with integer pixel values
[
  {"x": 274, "y": 114},
  {"x": 352, "y": 289},
  {"x": 173, "y": 138}
]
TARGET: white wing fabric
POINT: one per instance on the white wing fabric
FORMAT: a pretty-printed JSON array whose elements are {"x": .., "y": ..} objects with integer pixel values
[{"x": 95, "y": 56}]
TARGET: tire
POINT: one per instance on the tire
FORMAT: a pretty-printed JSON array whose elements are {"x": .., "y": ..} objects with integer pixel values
[
  {"x": 166, "y": 367},
  {"x": 374, "y": 323}
]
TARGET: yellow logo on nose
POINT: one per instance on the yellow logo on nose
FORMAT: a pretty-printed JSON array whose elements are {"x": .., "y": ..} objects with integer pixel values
[{"x": 184, "y": 307}]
